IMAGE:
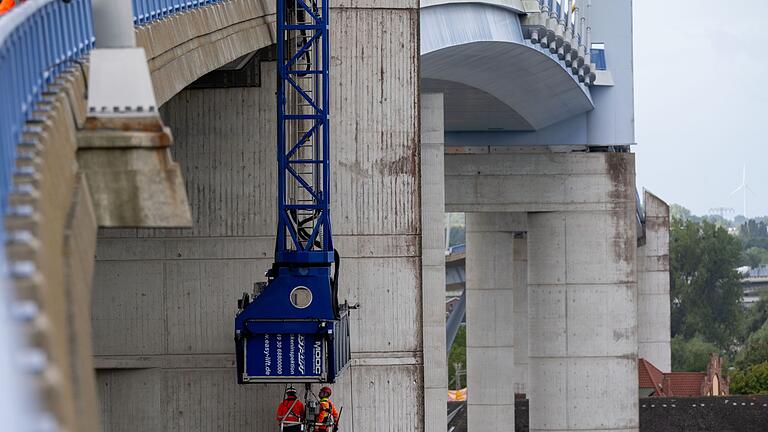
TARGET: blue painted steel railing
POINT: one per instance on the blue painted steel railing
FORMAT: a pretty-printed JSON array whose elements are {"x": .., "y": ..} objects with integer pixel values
[
  {"x": 145, "y": 11},
  {"x": 38, "y": 40}
]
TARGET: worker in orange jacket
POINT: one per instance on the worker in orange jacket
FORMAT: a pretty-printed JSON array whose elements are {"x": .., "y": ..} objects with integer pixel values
[
  {"x": 6, "y": 5},
  {"x": 290, "y": 412},
  {"x": 328, "y": 418}
]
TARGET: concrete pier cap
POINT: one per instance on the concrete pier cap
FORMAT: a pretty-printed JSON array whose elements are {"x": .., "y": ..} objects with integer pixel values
[{"x": 582, "y": 298}]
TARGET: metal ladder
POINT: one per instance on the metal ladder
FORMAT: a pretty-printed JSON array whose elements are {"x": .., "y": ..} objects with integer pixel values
[{"x": 305, "y": 121}]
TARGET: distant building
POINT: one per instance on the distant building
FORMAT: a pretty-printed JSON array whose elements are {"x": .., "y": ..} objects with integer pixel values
[
  {"x": 654, "y": 383},
  {"x": 455, "y": 277},
  {"x": 754, "y": 284},
  {"x": 451, "y": 303}
]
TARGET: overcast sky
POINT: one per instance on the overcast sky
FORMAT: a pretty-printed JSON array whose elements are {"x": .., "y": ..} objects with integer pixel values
[{"x": 701, "y": 96}]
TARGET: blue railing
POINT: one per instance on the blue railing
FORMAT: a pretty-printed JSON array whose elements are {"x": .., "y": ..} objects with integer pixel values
[
  {"x": 146, "y": 11},
  {"x": 38, "y": 40}
]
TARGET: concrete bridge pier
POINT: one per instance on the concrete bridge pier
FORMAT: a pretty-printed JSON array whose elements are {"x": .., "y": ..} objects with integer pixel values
[
  {"x": 491, "y": 373},
  {"x": 582, "y": 284},
  {"x": 433, "y": 261},
  {"x": 653, "y": 309},
  {"x": 583, "y": 373},
  {"x": 520, "y": 309}
]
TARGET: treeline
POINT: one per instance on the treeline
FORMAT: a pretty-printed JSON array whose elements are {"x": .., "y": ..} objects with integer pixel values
[{"x": 707, "y": 311}]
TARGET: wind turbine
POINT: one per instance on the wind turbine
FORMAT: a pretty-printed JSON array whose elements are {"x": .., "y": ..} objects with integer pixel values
[{"x": 743, "y": 188}]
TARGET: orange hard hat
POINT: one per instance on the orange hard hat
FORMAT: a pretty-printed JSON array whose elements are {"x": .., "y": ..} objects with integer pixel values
[
  {"x": 325, "y": 392},
  {"x": 6, "y": 5}
]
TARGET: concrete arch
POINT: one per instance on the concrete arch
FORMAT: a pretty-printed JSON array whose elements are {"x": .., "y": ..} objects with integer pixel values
[
  {"x": 489, "y": 44},
  {"x": 182, "y": 48},
  {"x": 521, "y": 6}
]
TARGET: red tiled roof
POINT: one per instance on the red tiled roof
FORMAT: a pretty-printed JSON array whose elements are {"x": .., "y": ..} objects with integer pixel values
[
  {"x": 650, "y": 376},
  {"x": 670, "y": 384},
  {"x": 682, "y": 384}
]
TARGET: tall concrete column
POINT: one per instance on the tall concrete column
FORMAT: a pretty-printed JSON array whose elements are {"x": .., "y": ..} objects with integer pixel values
[
  {"x": 582, "y": 296},
  {"x": 113, "y": 24},
  {"x": 164, "y": 299},
  {"x": 490, "y": 316},
  {"x": 583, "y": 320},
  {"x": 653, "y": 308},
  {"x": 433, "y": 262},
  {"x": 520, "y": 320}
]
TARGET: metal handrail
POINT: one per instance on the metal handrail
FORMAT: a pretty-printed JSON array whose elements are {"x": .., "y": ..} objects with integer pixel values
[
  {"x": 146, "y": 11},
  {"x": 38, "y": 40}
]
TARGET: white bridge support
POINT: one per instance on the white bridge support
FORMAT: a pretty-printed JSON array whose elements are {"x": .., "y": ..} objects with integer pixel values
[{"x": 582, "y": 284}]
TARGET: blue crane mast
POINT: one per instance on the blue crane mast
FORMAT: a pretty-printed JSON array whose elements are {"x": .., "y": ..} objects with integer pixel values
[{"x": 293, "y": 329}]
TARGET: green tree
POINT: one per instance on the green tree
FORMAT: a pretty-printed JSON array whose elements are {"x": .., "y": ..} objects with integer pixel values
[
  {"x": 755, "y": 317},
  {"x": 705, "y": 288},
  {"x": 753, "y": 380},
  {"x": 677, "y": 211},
  {"x": 755, "y": 351},
  {"x": 754, "y": 233},
  {"x": 691, "y": 355},
  {"x": 754, "y": 257},
  {"x": 458, "y": 355},
  {"x": 458, "y": 236},
  {"x": 718, "y": 220}
]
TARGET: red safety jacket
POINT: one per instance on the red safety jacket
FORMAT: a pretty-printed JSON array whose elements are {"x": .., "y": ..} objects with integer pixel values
[
  {"x": 6, "y": 5},
  {"x": 291, "y": 410},
  {"x": 327, "y": 412}
]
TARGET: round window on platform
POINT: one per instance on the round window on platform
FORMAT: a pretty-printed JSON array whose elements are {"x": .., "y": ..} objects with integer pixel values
[{"x": 301, "y": 297}]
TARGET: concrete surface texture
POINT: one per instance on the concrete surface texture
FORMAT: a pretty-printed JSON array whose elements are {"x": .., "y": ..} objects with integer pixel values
[
  {"x": 433, "y": 261},
  {"x": 51, "y": 245},
  {"x": 184, "y": 47},
  {"x": 582, "y": 282},
  {"x": 653, "y": 308},
  {"x": 582, "y": 310},
  {"x": 520, "y": 308},
  {"x": 165, "y": 298},
  {"x": 491, "y": 374}
]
